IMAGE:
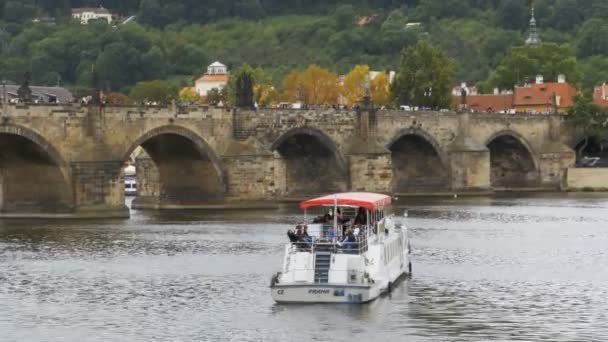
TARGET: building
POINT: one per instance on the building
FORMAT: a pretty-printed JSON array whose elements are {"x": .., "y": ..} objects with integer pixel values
[
  {"x": 39, "y": 94},
  {"x": 86, "y": 14},
  {"x": 216, "y": 77},
  {"x": 486, "y": 103},
  {"x": 542, "y": 97},
  {"x": 470, "y": 90},
  {"x": 600, "y": 95}
]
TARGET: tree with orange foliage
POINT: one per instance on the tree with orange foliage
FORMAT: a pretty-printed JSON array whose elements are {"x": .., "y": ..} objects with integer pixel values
[
  {"x": 292, "y": 87},
  {"x": 320, "y": 85},
  {"x": 189, "y": 95},
  {"x": 380, "y": 89},
  {"x": 353, "y": 88},
  {"x": 116, "y": 99}
]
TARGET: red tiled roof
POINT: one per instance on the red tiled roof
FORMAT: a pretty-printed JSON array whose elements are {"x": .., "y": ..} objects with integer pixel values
[
  {"x": 486, "y": 103},
  {"x": 542, "y": 94},
  {"x": 214, "y": 78},
  {"x": 600, "y": 95}
]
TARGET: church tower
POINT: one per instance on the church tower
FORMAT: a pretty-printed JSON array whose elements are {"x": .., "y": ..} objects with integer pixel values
[{"x": 533, "y": 38}]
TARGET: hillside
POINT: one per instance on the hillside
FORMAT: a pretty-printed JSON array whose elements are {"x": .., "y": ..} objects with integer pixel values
[{"x": 175, "y": 39}]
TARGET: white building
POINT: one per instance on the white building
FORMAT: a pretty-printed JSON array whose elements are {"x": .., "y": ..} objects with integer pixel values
[
  {"x": 216, "y": 77},
  {"x": 86, "y": 14}
]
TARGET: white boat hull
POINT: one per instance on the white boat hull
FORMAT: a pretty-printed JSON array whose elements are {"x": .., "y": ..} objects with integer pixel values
[
  {"x": 323, "y": 293},
  {"x": 332, "y": 293}
]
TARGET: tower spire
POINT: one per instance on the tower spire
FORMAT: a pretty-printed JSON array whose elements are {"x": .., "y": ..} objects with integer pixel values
[{"x": 533, "y": 38}]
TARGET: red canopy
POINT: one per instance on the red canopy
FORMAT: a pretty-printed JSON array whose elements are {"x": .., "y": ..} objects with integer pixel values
[{"x": 366, "y": 200}]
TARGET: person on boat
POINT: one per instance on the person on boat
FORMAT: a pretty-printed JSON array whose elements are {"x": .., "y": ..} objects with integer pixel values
[
  {"x": 349, "y": 241},
  {"x": 303, "y": 240},
  {"x": 292, "y": 236},
  {"x": 341, "y": 219},
  {"x": 305, "y": 235},
  {"x": 361, "y": 218}
]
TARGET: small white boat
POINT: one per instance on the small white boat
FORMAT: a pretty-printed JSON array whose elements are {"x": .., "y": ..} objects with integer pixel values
[
  {"x": 130, "y": 186},
  {"x": 352, "y": 254}
]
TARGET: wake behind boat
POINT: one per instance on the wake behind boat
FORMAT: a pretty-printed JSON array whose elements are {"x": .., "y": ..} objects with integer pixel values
[{"x": 351, "y": 253}]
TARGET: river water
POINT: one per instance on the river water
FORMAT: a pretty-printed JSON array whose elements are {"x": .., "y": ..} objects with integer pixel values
[{"x": 506, "y": 268}]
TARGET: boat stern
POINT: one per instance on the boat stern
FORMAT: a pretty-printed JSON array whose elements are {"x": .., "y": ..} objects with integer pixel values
[{"x": 323, "y": 293}]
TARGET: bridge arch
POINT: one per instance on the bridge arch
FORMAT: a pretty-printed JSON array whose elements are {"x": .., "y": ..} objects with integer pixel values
[
  {"x": 35, "y": 178},
  {"x": 513, "y": 163},
  {"x": 419, "y": 163},
  {"x": 188, "y": 170},
  {"x": 586, "y": 146},
  {"x": 313, "y": 162}
]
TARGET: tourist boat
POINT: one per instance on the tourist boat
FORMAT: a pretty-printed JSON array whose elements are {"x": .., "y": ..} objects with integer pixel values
[
  {"x": 130, "y": 186},
  {"x": 130, "y": 181},
  {"x": 351, "y": 254}
]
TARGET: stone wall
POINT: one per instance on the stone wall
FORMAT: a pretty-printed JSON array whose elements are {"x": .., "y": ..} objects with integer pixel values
[{"x": 591, "y": 178}]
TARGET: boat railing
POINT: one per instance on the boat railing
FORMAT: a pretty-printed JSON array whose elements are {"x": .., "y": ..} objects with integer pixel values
[
  {"x": 352, "y": 276},
  {"x": 333, "y": 245}
]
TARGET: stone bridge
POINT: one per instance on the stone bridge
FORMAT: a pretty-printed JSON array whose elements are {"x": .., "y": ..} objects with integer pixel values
[{"x": 69, "y": 160}]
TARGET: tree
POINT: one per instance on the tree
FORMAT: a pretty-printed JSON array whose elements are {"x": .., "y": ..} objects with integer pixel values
[
  {"x": 157, "y": 91},
  {"x": 265, "y": 94},
  {"x": 353, "y": 87},
  {"x": 320, "y": 85},
  {"x": 292, "y": 87},
  {"x": 395, "y": 34},
  {"x": 594, "y": 71},
  {"x": 513, "y": 14},
  {"x": 567, "y": 15},
  {"x": 380, "y": 89},
  {"x": 214, "y": 96},
  {"x": 588, "y": 117},
  {"x": 425, "y": 77},
  {"x": 116, "y": 99},
  {"x": 523, "y": 63},
  {"x": 242, "y": 83},
  {"x": 344, "y": 16},
  {"x": 593, "y": 38},
  {"x": 189, "y": 95}
]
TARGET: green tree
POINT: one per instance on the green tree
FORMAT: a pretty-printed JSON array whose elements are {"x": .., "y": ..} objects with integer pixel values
[
  {"x": 567, "y": 15},
  {"x": 424, "y": 78},
  {"x": 395, "y": 34},
  {"x": 594, "y": 71},
  {"x": 593, "y": 38},
  {"x": 160, "y": 92},
  {"x": 241, "y": 85},
  {"x": 214, "y": 96},
  {"x": 513, "y": 14},
  {"x": 344, "y": 16},
  {"x": 588, "y": 117},
  {"x": 523, "y": 63}
]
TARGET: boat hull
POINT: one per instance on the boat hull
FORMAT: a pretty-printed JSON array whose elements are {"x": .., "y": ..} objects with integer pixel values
[
  {"x": 324, "y": 293},
  {"x": 331, "y": 293}
]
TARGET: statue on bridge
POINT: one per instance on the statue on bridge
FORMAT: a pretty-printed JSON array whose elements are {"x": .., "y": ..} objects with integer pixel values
[
  {"x": 24, "y": 92},
  {"x": 463, "y": 99}
]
